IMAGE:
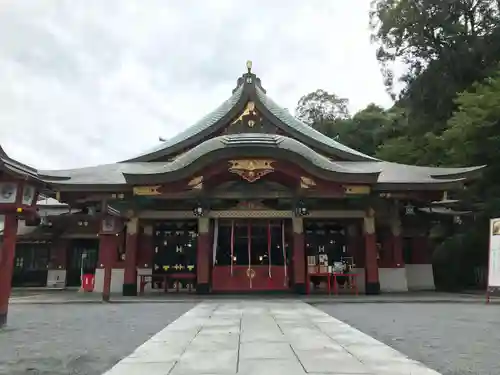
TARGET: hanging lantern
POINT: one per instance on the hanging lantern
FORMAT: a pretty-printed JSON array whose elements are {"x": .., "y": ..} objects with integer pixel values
[
  {"x": 301, "y": 209},
  {"x": 409, "y": 209},
  {"x": 198, "y": 211}
]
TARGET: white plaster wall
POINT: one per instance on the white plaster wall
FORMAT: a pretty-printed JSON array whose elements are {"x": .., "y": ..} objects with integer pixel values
[
  {"x": 393, "y": 279},
  {"x": 420, "y": 277},
  {"x": 117, "y": 278},
  {"x": 99, "y": 280},
  {"x": 144, "y": 271},
  {"x": 56, "y": 278}
]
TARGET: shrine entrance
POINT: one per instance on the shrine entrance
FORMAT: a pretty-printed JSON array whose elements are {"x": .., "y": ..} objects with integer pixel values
[{"x": 251, "y": 255}]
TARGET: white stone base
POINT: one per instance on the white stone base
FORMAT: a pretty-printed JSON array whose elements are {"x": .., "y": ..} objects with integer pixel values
[
  {"x": 56, "y": 278},
  {"x": 360, "y": 279},
  {"x": 144, "y": 271},
  {"x": 420, "y": 277},
  {"x": 117, "y": 278},
  {"x": 392, "y": 280}
]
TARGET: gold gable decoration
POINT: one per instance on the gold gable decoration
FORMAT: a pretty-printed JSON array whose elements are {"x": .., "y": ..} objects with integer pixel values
[
  {"x": 249, "y": 110},
  {"x": 249, "y": 116},
  {"x": 147, "y": 190},
  {"x": 356, "y": 190},
  {"x": 251, "y": 170},
  {"x": 306, "y": 182},
  {"x": 196, "y": 183}
]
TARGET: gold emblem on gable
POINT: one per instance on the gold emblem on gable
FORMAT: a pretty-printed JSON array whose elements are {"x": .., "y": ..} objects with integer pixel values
[
  {"x": 251, "y": 170},
  {"x": 249, "y": 111}
]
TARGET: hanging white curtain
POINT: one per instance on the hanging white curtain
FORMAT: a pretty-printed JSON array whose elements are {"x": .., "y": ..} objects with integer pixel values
[{"x": 216, "y": 240}]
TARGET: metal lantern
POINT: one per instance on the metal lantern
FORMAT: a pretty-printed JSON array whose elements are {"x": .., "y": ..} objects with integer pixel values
[
  {"x": 301, "y": 209},
  {"x": 198, "y": 211},
  {"x": 409, "y": 209}
]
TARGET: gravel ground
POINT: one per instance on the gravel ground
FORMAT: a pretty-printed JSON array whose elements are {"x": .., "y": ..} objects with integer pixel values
[
  {"x": 78, "y": 339},
  {"x": 454, "y": 339}
]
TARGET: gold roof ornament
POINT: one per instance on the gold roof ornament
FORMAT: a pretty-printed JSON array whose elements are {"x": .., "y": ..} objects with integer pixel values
[
  {"x": 251, "y": 170},
  {"x": 306, "y": 182},
  {"x": 196, "y": 183},
  {"x": 249, "y": 66},
  {"x": 249, "y": 110},
  {"x": 147, "y": 190}
]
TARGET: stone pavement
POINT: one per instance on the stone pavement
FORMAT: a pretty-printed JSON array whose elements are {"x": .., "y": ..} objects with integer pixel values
[
  {"x": 45, "y": 296},
  {"x": 257, "y": 337}
]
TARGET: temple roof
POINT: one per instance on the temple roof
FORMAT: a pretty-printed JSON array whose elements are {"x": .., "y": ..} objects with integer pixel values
[
  {"x": 286, "y": 138},
  {"x": 379, "y": 172},
  {"x": 249, "y": 88},
  {"x": 13, "y": 166}
]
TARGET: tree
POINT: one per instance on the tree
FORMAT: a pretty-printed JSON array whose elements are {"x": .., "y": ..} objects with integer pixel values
[
  {"x": 445, "y": 46},
  {"x": 473, "y": 135},
  {"x": 320, "y": 109},
  {"x": 368, "y": 128},
  {"x": 417, "y": 32}
]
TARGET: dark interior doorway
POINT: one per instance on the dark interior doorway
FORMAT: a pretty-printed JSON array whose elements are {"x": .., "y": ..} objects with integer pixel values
[{"x": 83, "y": 255}]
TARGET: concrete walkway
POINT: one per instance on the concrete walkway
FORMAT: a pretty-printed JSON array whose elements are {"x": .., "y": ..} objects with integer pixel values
[{"x": 258, "y": 337}]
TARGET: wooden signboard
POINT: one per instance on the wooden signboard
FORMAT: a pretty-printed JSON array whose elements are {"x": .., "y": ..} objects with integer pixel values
[{"x": 494, "y": 259}]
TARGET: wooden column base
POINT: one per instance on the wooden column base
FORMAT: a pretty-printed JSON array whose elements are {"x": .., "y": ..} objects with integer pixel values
[
  {"x": 129, "y": 289},
  {"x": 372, "y": 288},
  {"x": 300, "y": 288},
  {"x": 203, "y": 288}
]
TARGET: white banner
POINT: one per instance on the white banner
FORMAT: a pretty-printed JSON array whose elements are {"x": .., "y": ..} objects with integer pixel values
[{"x": 494, "y": 254}]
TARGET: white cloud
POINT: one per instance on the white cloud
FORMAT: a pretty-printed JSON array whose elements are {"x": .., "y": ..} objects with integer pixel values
[{"x": 85, "y": 82}]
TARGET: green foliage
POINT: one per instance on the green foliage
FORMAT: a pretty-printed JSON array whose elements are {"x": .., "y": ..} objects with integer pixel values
[
  {"x": 320, "y": 108},
  {"x": 417, "y": 32}
]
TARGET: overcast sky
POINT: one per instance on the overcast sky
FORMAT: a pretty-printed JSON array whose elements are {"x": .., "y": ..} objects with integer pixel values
[{"x": 85, "y": 82}]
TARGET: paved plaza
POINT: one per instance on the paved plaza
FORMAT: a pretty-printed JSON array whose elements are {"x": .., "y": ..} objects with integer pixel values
[
  {"x": 249, "y": 335},
  {"x": 78, "y": 339},
  {"x": 263, "y": 338},
  {"x": 454, "y": 339}
]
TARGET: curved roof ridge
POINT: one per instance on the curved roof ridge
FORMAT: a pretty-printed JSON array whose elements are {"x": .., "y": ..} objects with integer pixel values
[
  {"x": 204, "y": 123},
  {"x": 249, "y": 139},
  {"x": 284, "y": 116}
]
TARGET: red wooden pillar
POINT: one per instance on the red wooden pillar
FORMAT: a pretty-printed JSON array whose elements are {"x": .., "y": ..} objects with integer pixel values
[
  {"x": 203, "y": 253},
  {"x": 107, "y": 252},
  {"x": 7, "y": 263},
  {"x": 299, "y": 256},
  {"x": 131, "y": 245},
  {"x": 372, "y": 284}
]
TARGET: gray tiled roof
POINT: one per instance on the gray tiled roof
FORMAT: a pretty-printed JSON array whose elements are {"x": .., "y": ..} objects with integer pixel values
[
  {"x": 203, "y": 124},
  {"x": 388, "y": 173},
  {"x": 298, "y": 126},
  {"x": 255, "y": 140}
]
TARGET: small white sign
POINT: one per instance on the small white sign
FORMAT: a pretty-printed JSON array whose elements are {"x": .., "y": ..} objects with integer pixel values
[{"x": 494, "y": 254}]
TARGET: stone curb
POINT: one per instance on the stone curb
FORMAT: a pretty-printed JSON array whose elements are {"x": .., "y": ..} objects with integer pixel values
[{"x": 311, "y": 302}]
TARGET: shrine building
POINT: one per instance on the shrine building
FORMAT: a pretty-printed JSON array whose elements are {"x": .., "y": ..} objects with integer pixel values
[{"x": 247, "y": 199}]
